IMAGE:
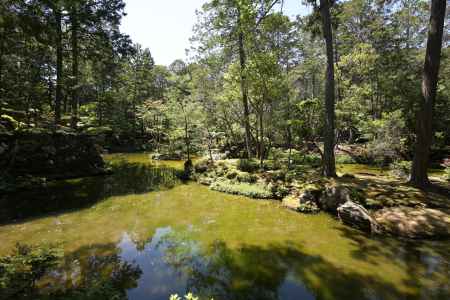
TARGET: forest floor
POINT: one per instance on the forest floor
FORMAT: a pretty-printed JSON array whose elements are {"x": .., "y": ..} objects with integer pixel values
[{"x": 391, "y": 203}]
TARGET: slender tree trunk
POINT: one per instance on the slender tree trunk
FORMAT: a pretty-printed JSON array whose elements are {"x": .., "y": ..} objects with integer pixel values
[
  {"x": 329, "y": 167},
  {"x": 244, "y": 90},
  {"x": 261, "y": 136},
  {"x": 188, "y": 142},
  {"x": 74, "y": 103},
  {"x": 59, "y": 66},
  {"x": 419, "y": 176}
]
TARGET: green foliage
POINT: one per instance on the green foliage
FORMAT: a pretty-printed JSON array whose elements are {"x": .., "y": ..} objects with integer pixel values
[
  {"x": 345, "y": 159},
  {"x": 400, "y": 169},
  {"x": 313, "y": 160},
  {"x": 20, "y": 271},
  {"x": 188, "y": 169},
  {"x": 308, "y": 207},
  {"x": 247, "y": 165},
  {"x": 387, "y": 137},
  {"x": 246, "y": 177},
  {"x": 251, "y": 190},
  {"x": 278, "y": 189},
  {"x": 202, "y": 166}
]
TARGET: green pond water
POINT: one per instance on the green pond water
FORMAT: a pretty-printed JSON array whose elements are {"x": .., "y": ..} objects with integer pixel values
[{"x": 153, "y": 235}]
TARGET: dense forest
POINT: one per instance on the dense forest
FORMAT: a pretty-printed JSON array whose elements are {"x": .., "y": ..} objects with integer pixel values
[
  {"x": 344, "y": 110},
  {"x": 254, "y": 81}
]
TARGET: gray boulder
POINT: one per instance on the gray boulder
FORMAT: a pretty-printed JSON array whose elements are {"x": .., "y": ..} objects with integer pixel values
[
  {"x": 357, "y": 216},
  {"x": 333, "y": 196}
]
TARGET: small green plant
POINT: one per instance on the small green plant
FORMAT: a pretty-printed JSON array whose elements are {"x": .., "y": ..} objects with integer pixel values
[
  {"x": 246, "y": 189},
  {"x": 278, "y": 190},
  {"x": 344, "y": 159},
  {"x": 246, "y": 177},
  {"x": 247, "y": 165},
  {"x": 308, "y": 207},
  {"x": 201, "y": 166},
  {"x": 313, "y": 160},
  {"x": 400, "y": 169}
]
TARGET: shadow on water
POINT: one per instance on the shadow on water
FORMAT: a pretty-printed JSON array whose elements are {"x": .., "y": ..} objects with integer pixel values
[
  {"x": 60, "y": 196},
  {"x": 171, "y": 262}
]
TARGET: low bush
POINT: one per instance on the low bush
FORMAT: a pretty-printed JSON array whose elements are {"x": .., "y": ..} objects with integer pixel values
[
  {"x": 247, "y": 165},
  {"x": 246, "y": 177},
  {"x": 278, "y": 190},
  {"x": 308, "y": 207},
  {"x": 188, "y": 168},
  {"x": 201, "y": 166},
  {"x": 231, "y": 174},
  {"x": 246, "y": 189},
  {"x": 400, "y": 169},
  {"x": 344, "y": 159},
  {"x": 313, "y": 160}
]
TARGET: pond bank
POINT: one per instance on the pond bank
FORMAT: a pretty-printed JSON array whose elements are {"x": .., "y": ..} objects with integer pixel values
[
  {"x": 142, "y": 234},
  {"x": 28, "y": 158},
  {"x": 369, "y": 199}
]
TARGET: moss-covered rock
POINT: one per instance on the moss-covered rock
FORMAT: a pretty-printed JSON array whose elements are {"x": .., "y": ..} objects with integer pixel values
[{"x": 414, "y": 222}]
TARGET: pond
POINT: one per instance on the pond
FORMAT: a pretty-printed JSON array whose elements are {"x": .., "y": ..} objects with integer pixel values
[{"x": 147, "y": 235}]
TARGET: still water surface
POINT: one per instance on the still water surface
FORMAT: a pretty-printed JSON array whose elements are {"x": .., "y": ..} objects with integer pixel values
[{"x": 153, "y": 235}]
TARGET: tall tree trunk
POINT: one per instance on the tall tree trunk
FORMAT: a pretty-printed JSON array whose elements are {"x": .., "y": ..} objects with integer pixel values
[
  {"x": 419, "y": 176},
  {"x": 59, "y": 66},
  {"x": 244, "y": 89},
  {"x": 261, "y": 136},
  {"x": 74, "y": 103},
  {"x": 329, "y": 167},
  {"x": 187, "y": 138}
]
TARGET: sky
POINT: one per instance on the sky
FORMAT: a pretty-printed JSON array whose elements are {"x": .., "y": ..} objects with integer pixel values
[{"x": 165, "y": 26}]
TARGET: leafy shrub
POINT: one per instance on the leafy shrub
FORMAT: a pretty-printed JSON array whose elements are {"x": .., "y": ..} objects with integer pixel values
[
  {"x": 246, "y": 189},
  {"x": 247, "y": 165},
  {"x": 246, "y": 177},
  {"x": 344, "y": 159},
  {"x": 308, "y": 207},
  {"x": 188, "y": 168},
  {"x": 201, "y": 166},
  {"x": 231, "y": 174},
  {"x": 313, "y": 159},
  {"x": 290, "y": 176},
  {"x": 400, "y": 169},
  {"x": 20, "y": 270},
  {"x": 387, "y": 137},
  {"x": 278, "y": 190}
]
